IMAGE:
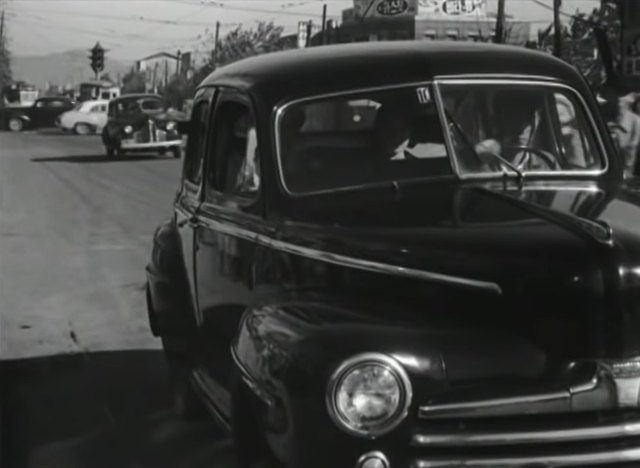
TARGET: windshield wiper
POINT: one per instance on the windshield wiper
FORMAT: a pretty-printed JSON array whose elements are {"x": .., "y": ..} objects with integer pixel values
[{"x": 471, "y": 147}]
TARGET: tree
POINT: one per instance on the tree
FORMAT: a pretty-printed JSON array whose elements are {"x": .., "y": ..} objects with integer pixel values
[
  {"x": 134, "y": 82},
  {"x": 579, "y": 45},
  {"x": 242, "y": 43},
  {"x": 106, "y": 77},
  {"x": 5, "y": 63},
  {"x": 237, "y": 44}
]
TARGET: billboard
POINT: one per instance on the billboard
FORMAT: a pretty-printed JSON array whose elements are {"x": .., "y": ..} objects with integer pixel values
[
  {"x": 304, "y": 28},
  {"x": 452, "y": 8},
  {"x": 385, "y": 8}
]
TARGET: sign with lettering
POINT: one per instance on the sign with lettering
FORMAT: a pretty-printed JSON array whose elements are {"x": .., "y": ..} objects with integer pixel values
[
  {"x": 452, "y": 7},
  {"x": 385, "y": 8}
]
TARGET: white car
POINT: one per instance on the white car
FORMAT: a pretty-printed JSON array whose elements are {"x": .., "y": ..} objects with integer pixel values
[{"x": 86, "y": 118}]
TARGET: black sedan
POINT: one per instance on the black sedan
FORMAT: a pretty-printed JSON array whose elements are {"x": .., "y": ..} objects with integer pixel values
[
  {"x": 41, "y": 114},
  {"x": 141, "y": 123},
  {"x": 404, "y": 255}
]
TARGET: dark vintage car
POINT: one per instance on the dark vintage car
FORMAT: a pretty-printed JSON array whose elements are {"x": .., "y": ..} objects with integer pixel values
[
  {"x": 41, "y": 114},
  {"x": 141, "y": 123},
  {"x": 404, "y": 254}
]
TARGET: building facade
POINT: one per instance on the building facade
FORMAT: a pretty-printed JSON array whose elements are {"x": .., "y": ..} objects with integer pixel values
[{"x": 376, "y": 20}]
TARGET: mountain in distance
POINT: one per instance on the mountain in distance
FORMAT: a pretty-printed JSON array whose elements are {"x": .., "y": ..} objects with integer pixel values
[{"x": 62, "y": 68}]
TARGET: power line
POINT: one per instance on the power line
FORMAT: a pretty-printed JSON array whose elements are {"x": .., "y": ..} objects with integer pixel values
[
  {"x": 137, "y": 19},
  {"x": 225, "y": 6}
]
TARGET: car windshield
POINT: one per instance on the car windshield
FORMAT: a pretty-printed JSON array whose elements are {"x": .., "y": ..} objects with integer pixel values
[
  {"x": 361, "y": 138},
  {"x": 388, "y": 135},
  {"x": 134, "y": 106},
  {"x": 498, "y": 128}
]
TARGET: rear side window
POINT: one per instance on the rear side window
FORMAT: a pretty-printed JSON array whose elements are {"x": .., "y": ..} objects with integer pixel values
[{"x": 196, "y": 142}]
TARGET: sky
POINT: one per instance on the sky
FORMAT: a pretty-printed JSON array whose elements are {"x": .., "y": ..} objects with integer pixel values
[{"x": 133, "y": 29}]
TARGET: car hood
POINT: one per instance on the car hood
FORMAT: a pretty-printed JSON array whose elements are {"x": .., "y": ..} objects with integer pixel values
[{"x": 573, "y": 248}]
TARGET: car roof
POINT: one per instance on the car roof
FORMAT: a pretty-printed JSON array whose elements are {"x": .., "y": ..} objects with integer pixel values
[{"x": 303, "y": 71}]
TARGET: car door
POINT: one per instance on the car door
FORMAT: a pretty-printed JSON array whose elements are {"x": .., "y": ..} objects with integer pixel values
[
  {"x": 40, "y": 112},
  {"x": 231, "y": 217},
  {"x": 98, "y": 116},
  {"x": 51, "y": 109},
  {"x": 189, "y": 196}
]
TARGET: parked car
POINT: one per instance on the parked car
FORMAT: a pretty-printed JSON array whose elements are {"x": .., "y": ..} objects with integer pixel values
[
  {"x": 141, "y": 123},
  {"x": 87, "y": 117},
  {"x": 404, "y": 254},
  {"x": 41, "y": 114}
]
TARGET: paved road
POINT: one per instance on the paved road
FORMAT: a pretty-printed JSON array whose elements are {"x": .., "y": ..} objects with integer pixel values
[
  {"x": 75, "y": 232},
  {"x": 83, "y": 381}
]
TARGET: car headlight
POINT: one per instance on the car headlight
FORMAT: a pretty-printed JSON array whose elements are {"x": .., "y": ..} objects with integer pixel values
[
  {"x": 170, "y": 126},
  {"x": 128, "y": 129},
  {"x": 369, "y": 395}
]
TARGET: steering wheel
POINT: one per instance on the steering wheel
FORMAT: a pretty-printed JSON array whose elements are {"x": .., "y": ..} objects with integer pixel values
[{"x": 549, "y": 159}]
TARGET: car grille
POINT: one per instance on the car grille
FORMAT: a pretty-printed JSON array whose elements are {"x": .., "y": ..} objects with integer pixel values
[
  {"x": 150, "y": 133},
  {"x": 596, "y": 439}
]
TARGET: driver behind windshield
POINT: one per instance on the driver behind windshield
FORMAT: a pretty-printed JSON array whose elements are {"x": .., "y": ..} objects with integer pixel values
[{"x": 515, "y": 120}]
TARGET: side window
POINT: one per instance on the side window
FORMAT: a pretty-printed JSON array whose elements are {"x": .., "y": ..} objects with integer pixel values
[
  {"x": 575, "y": 143},
  {"x": 196, "y": 143},
  {"x": 235, "y": 168}
]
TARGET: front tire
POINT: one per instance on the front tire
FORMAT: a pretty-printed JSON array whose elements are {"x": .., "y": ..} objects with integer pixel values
[
  {"x": 16, "y": 124},
  {"x": 111, "y": 152},
  {"x": 82, "y": 129}
]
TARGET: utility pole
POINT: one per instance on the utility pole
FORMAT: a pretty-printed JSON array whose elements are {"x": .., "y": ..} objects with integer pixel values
[
  {"x": 498, "y": 38},
  {"x": 324, "y": 24},
  {"x": 166, "y": 73},
  {"x": 2, "y": 27},
  {"x": 309, "y": 32},
  {"x": 215, "y": 49},
  {"x": 557, "y": 29}
]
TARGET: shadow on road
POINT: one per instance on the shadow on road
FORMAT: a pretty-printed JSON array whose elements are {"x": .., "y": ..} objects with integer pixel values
[
  {"x": 99, "y": 410},
  {"x": 102, "y": 159}
]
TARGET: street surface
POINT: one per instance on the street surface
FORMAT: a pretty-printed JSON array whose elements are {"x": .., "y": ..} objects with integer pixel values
[{"x": 84, "y": 383}]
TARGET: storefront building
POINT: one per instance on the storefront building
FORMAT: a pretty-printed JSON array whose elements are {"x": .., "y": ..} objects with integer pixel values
[{"x": 376, "y": 20}]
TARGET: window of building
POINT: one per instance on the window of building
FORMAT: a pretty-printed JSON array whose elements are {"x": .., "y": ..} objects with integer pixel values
[
  {"x": 430, "y": 34},
  {"x": 452, "y": 34},
  {"x": 473, "y": 36}
]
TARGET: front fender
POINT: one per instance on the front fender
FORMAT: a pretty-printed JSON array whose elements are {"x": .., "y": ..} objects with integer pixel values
[
  {"x": 289, "y": 347},
  {"x": 170, "y": 307}
]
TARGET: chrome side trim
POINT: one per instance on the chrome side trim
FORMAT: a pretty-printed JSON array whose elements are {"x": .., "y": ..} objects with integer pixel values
[
  {"x": 509, "y": 405},
  {"x": 506, "y": 437},
  {"x": 348, "y": 261},
  {"x": 582, "y": 459},
  {"x": 481, "y": 407}
]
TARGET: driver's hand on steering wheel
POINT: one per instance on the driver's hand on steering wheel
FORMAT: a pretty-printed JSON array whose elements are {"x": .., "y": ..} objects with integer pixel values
[{"x": 487, "y": 147}]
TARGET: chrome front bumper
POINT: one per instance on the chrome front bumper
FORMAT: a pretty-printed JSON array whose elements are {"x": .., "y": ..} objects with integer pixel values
[
  {"x": 132, "y": 144},
  {"x": 586, "y": 459},
  {"x": 589, "y": 423}
]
